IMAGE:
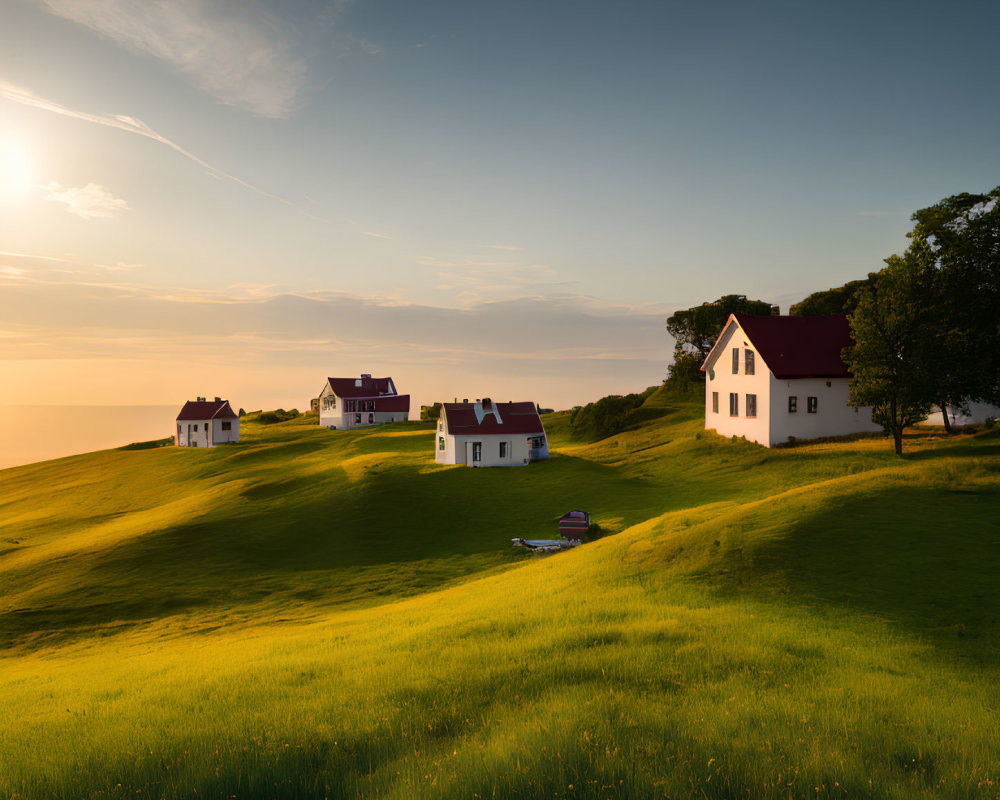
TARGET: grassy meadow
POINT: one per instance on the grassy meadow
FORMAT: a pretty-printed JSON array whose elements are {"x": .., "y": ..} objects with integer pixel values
[{"x": 313, "y": 614}]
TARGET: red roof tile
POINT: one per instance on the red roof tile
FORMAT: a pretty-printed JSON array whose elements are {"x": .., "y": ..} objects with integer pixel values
[
  {"x": 800, "y": 347},
  {"x": 202, "y": 409},
  {"x": 362, "y": 387},
  {"x": 516, "y": 418},
  {"x": 393, "y": 402}
]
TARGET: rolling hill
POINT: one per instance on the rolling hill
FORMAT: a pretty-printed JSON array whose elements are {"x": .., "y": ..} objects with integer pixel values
[{"x": 331, "y": 614}]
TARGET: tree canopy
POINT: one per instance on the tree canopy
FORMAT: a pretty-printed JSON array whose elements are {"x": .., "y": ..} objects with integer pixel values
[
  {"x": 696, "y": 329},
  {"x": 891, "y": 357},
  {"x": 839, "y": 300},
  {"x": 926, "y": 328}
]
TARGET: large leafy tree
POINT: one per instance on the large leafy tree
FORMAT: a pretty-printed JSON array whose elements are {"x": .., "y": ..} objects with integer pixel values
[
  {"x": 839, "y": 300},
  {"x": 894, "y": 350},
  {"x": 696, "y": 329},
  {"x": 962, "y": 233}
]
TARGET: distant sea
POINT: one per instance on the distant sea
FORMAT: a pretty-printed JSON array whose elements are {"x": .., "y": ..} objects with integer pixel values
[{"x": 38, "y": 433}]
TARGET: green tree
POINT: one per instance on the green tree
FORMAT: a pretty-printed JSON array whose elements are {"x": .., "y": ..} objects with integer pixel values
[
  {"x": 962, "y": 233},
  {"x": 891, "y": 358},
  {"x": 839, "y": 300},
  {"x": 696, "y": 329}
]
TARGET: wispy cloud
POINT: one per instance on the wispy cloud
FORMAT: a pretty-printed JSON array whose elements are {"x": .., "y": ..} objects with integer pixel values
[
  {"x": 235, "y": 49},
  {"x": 39, "y": 264},
  {"x": 376, "y": 235},
  {"x": 16, "y": 94},
  {"x": 92, "y": 201},
  {"x": 501, "y": 247}
]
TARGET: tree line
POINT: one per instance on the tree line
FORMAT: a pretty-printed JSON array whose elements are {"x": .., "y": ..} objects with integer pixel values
[{"x": 925, "y": 328}]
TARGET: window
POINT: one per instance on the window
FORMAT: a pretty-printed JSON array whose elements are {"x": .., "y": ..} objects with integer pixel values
[
  {"x": 751, "y": 405},
  {"x": 537, "y": 442},
  {"x": 440, "y": 443},
  {"x": 503, "y": 449},
  {"x": 811, "y": 405},
  {"x": 227, "y": 426},
  {"x": 206, "y": 427},
  {"x": 371, "y": 417},
  {"x": 734, "y": 405},
  {"x": 477, "y": 451},
  {"x": 715, "y": 402},
  {"x": 357, "y": 419},
  {"x": 793, "y": 404},
  {"x": 736, "y": 361},
  {"x": 749, "y": 362}
]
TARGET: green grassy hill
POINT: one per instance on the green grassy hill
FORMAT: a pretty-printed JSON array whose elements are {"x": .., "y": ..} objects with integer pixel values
[{"x": 331, "y": 614}]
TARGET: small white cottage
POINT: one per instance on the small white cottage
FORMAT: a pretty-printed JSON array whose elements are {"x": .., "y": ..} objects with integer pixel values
[
  {"x": 361, "y": 403},
  {"x": 206, "y": 423},
  {"x": 775, "y": 379},
  {"x": 488, "y": 434}
]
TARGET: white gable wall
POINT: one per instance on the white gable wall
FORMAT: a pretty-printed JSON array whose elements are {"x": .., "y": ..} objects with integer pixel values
[
  {"x": 331, "y": 408},
  {"x": 719, "y": 378}
]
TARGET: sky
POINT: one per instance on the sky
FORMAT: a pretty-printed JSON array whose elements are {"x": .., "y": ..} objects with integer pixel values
[{"x": 241, "y": 198}]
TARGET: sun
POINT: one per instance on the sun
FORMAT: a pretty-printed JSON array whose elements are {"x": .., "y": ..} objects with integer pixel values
[{"x": 16, "y": 170}]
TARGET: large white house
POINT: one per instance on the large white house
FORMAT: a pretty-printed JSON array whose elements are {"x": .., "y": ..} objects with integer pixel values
[
  {"x": 361, "y": 402},
  {"x": 488, "y": 434},
  {"x": 206, "y": 423},
  {"x": 776, "y": 379}
]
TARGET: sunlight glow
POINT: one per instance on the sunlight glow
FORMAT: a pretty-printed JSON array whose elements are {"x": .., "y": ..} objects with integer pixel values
[{"x": 16, "y": 178}]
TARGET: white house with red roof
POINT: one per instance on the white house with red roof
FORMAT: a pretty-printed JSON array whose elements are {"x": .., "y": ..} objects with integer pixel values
[
  {"x": 489, "y": 434},
  {"x": 361, "y": 402},
  {"x": 206, "y": 423},
  {"x": 776, "y": 379}
]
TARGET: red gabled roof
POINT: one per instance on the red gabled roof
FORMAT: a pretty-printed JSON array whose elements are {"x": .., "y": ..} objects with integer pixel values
[
  {"x": 369, "y": 387},
  {"x": 516, "y": 418},
  {"x": 799, "y": 347},
  {"x": 206, "y": 409},
  {"x": 392, "y": 402}
]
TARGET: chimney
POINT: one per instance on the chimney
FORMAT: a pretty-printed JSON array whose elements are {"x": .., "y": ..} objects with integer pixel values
[
  {"x": 487, "y": 403},
  {"x": 200, "y": 400},
  {"x": 218, "y": 399},
  {"x": 366, "y": 375},
  {"x": 465, "y": 399}
]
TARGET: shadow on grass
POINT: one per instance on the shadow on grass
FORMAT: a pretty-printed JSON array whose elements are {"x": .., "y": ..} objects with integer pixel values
[{"x": 923, "y": 559}]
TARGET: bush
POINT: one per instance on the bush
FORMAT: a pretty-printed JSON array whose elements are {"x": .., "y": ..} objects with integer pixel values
[
  {"x": 149, "y": 445},
  {"x": 608, "y": 416},
  {"x": 271, "y": 417}
]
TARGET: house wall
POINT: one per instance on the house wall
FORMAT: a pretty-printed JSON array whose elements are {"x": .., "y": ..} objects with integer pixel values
[
  {"x": 719, "y": 378},
  {"x": 220, "y": 436},
  {"x": 339, "y": 419},
  {"x": 456, "y": 449},
  {"x": 349, "y": 419},
  {"x": 192, "y": 433},
  {"x": 978, "y": 413},
  {"x": 833, "y": 417},
  {"x": 330, "y": 417}
]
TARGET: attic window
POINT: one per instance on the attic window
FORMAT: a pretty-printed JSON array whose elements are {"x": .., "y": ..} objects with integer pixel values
[
  {"x": 749, "y": 361},
  {"x": 736, "y": 361}
]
